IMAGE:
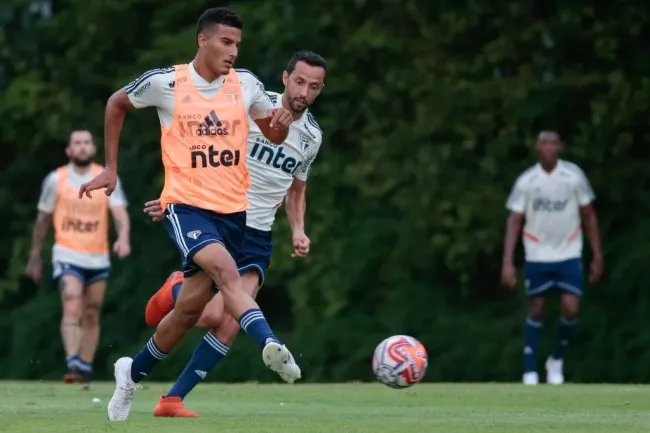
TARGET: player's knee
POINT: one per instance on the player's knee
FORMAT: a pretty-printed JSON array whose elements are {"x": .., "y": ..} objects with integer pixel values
[
  {"x": 570, "y": 306},
  {"x": 91, "y": 316},
  {"x": 570, "y": 311},
  {"x": 186, "y": 316},
  {"x": 209, "y": 319},
  {"x": 230, "y": 286},
  {"x": 72, "y": 310},
  {"x": 228, "y": 330},
  {"x": 70, "y": 321},
  {"x": 537, "y": 312},
  {"x": 226, "y": 276}
]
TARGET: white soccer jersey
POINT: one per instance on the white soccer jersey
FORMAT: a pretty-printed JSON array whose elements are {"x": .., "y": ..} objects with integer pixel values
[
  {"x": 47, "y": 202},
  {"x": 273, "y": 167},
  {"x": 155, "y": 88},
  {"x": 551, "y": 204}
]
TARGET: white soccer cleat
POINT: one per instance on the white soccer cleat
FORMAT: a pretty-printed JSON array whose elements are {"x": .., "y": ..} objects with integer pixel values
[
  {"x": 530, "y": 378},
  {"x": 554, "y": 371},
  {"x": 120, "y": 404},
  {"x": 277, "y": 357}
]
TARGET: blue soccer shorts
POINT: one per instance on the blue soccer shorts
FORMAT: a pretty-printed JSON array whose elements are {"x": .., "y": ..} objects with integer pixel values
[
  {"x": 192, "y": 229},
  {"x": 566, "y": 276},
  {"x": 85, "y": 275},
  {"x": 255, "y": 252}
]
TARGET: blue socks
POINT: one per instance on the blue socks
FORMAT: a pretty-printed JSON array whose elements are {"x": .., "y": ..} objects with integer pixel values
[
  {"x": 255, "y": 325},
  {"x": 532, "y": 333},
  {"x": 84, "y": 367},
  {"x": 564, "y": 332},
  {"x": 176, "y": 289},
  {"x": 207, "y": 354},
  {"x": 75, "y": 362},
  {"x": 71, "y": 361},
  {"x": 205, "y": 357},
  {"x": 146, "y": 360}
]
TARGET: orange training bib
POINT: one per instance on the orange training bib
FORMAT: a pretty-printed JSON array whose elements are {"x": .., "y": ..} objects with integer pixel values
[
  {"x": 81, "y": 225},
  {"x": 204, "y": 149}
]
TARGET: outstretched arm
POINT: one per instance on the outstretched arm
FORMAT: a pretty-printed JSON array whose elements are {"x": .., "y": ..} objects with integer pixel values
[
  {"x": 273, "y": 121},
  {"x": 116, "y": 107},
  {"x": 275, "y": 126},
  {"x": 145, "y": 91}
]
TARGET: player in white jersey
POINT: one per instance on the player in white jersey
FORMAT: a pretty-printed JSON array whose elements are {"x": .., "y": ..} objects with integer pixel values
[
  {"x": 278, "y": 174},
  {"x": 80, "y": 255},
  {"x": 554, "y": 198}
]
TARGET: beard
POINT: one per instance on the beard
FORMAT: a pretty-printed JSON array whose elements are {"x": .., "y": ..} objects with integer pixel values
[
  {"x": 299, "y": 109},
  {"x": 82, "y": 162}
]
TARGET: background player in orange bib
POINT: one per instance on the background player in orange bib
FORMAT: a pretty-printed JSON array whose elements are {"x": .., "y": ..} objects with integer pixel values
[
  {"x": 204, "y": 111},
  {"x": 80, "y": 256}
]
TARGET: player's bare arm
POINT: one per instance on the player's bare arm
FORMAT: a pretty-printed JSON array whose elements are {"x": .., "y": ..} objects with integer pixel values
[
  {"x": 273, "y": 121},
  {"x": 41, "y": 227},
  {"x": 296, "y": 205},
  {"x": 122, "y": 246},
  {"x": 590, "y": 221},
  {"x": 513, "y": 228},
  {"x": 275, "y": 126},
  {"x": 116, "y": 107}
]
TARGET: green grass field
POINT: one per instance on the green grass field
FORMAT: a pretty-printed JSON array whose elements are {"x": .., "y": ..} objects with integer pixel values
[{"x": 31, "y": 407}]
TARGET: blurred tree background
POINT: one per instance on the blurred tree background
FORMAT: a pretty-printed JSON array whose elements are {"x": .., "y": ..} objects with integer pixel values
[{"x": 429, "y": 113}]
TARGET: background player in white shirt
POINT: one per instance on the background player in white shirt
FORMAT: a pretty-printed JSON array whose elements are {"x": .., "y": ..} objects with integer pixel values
[
  {"x": 278, "y": 173},
  {"x": 551, "y": 197},
  {"x": 80, "y": 255}
]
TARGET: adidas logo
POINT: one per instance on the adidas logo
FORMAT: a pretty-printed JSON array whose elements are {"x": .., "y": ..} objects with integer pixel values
[
  {"x": 201, "y": 373},
  {"x": 213, "y": 126},
  {"x": 186, "y": 99},
  {"x": 211, "y": 120}
]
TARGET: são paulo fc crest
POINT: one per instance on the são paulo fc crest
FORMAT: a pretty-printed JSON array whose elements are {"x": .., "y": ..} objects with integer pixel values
[
  {"x": 304, "y": 140},
  {"x": 232, "y": 96},
  {"x": 194, "y": 234}
]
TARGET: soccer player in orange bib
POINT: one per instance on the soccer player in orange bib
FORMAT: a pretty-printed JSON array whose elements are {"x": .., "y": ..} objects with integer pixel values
[
  {"x": 80, "y": 256},
  {"x": 203, "y": 114},
  {"x": 278, "y": 175}
]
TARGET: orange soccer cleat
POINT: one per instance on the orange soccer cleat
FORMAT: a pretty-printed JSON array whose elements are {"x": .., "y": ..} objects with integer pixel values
[
  {"x": 72, "y": 376},
  {"x": 162, "y": 302},
  {"x": 76, "y": 376},
  {"x": 172, "y": 407}
]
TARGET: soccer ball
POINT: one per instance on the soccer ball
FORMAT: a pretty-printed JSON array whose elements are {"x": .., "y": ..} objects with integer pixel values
[{"x": 400, "y": 361}]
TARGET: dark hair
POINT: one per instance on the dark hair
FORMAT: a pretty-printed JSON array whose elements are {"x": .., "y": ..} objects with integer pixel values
[
  {"x": 214, "y": 16},
  {"x": 80, "y": 130},
  {"x": 309, "y": 57}
]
